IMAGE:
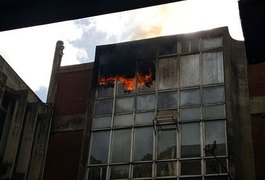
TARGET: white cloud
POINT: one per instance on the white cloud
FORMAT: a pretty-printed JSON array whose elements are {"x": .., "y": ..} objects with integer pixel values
[
  {"x": 30, "y": 50},
  {"x": 174, "y": 18}
]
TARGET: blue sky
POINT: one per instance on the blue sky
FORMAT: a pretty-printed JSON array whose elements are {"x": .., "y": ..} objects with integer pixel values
[{"x": 30, "y": 50}]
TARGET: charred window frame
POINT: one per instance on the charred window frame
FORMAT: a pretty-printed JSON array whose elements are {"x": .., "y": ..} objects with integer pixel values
[{"x": 199, "y": 114}]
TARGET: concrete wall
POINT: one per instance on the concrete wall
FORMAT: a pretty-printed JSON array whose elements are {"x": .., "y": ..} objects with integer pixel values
[{"x": 22, "y": 136}]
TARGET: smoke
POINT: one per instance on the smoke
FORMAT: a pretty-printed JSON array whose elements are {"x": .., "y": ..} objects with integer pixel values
[{"x": 146, "y": 32}]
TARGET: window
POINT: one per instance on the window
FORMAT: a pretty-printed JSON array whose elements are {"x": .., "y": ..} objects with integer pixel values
[
  {"x": 126, "y": 141},
  {"x": 190, "y": 70}
]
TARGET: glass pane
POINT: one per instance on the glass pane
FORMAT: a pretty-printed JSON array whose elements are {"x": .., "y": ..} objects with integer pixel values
[
  {"x": 185, "y": 47},
  {"x": 144, "y": 118},
  {"x": 104, "y": 106},
  {"x": 215, "y": 132},
  {"x": 121, "y": 145},
  {"x": 214, "y": 166},
  {"x": 190, "y": 97},
  {"x": 191, "y": 178},
  {"x": 213, "y": 112},
  {"x": 211, "y": 43},
  {"x": 195, "y": 45},
  {"x": 124, "y": 104},
  {"x": 97, "y": 173},
  {"x": 167, "y": 100},
  {"x": 166, "y": 169},
  {"x": 123, "y": 120},
  {"x": 166, "y": 144},
  {"x": 190, "y": 114},
  {"x": 167, "y": 73},
  {"x": 104, "y": 91},
  {"x": 101, "y": 122},
  {"x": 143, "y": 145},
  {"x": 100, "y": 147},
  {"x": 145, "y": 102},
  {"x": 190, "y": 140},
  {"x": 119, "y": 172},
  {"x": 216, "y": 178},
  {"x": 189, "y": 70},
  {"x": 213, "y": 95},
  {"x": 142, "y": 170},
  {"x": 213, "y": 70},
  {"x": 191, "y": 167}
]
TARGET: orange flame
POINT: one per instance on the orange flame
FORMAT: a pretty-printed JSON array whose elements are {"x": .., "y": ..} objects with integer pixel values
[
  {"x": 106, "y": 81},
  {"x": 145, "y": 79},
  {"x": 128, "y": 83}
]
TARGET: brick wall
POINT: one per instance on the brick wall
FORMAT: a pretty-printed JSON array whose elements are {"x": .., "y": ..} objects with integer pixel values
[
  {"x": 256, "y": 80},
  {"x": 65, "y": 146},
  {"x": 63, "y": 155},
  {"x": 258, "y": 133},
  {"x": 72, "y": 93}
]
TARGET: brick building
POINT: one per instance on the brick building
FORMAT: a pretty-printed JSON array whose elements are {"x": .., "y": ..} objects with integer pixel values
[{"x": 185, "y": 107}]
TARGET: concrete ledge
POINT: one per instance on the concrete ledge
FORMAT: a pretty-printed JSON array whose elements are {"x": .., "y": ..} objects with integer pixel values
[{"x": 68, "y": 123}]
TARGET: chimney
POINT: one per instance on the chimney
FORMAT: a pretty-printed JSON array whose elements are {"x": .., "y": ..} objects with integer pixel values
[{"x": 55, "y": 70}]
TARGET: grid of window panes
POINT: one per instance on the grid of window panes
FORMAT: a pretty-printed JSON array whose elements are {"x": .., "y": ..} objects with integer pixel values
[{"x": 125, "y": 144}]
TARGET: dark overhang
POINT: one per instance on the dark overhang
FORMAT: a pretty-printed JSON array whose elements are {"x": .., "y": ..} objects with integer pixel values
[
  {"x": 252, "y": 15},
  {"x": 24, "y": 13}
]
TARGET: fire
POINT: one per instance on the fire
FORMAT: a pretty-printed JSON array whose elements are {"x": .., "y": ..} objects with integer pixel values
[
  {"x": 145, "y": 79},
  {"x": 106, "y": 81},
  {"x": 128, "y": 82}
]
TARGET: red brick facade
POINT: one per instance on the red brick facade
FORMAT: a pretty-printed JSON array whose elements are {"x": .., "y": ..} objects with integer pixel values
[
  {"x": 65, "y": 146},
  {"x": 72, "y": 93},
  {"x": 63, "y": 155},
  {"x": 256, "y": 80}
]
